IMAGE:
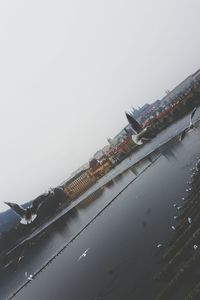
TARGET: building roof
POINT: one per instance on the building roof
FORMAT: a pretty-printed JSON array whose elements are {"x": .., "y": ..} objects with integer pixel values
[{"x": 71, "y": 179}]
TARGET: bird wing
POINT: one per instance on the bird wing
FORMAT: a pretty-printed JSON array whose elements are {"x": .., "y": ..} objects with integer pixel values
[
  {"x": 136, "y": 140},
  {"x": 83, "y": 254},
  {"x": 134, "y": 124},
  {"x": 80, "y": 257},
  {"x": 126, "y": 130},
  {"x": 19, "y": 210},
  {"x": 143, "y": 132}
]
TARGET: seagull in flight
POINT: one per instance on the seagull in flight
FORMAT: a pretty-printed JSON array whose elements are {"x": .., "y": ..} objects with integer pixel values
[
  {"x": 191, "y": 125},
  {"x": 84, "y": 254},
  {"x": 139, "y": 138},
  {"x": 27, "y": 215},
  {"x": 142, "y": 134},
  {"x": 189, "y": 182}
]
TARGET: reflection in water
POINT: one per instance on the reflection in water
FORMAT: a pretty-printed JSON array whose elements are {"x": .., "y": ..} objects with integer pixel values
[
  {"x": 144, "y": 224},
  {"x": 118, "y": 177},
  {"x": 109, "y": 183},
  {"x": 148, "y": 211},
  {"x": 114, "y": 278},
  {"x": 169, "y": 154},
  {"x": 90, "y": 199},
  {"x": 153, "y": 156},
  {"x": 134, "y": 170},
  {"x": 180, "y": 259},
  {"x": 61, "y": 225},
  {"x": 130, "y": 229}
]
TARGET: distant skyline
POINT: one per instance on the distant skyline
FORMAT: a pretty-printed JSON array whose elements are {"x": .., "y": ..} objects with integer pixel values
[{"x": 69, "y": 71}]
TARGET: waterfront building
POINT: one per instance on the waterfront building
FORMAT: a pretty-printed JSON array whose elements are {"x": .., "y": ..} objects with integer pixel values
[
  {"x": 100, "y": 167},
  {"x": 196, "y": 76},
  {"x": 78, "y": 184}
]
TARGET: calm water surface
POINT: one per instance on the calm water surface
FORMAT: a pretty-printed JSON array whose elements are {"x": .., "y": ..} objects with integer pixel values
[{"x": 122, "y": 256}]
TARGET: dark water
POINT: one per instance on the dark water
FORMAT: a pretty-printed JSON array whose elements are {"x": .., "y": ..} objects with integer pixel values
[{"x": 122, "y": 256}]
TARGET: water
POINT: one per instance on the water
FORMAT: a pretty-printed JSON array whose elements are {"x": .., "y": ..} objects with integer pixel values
[{"x": 123, "y": 256}]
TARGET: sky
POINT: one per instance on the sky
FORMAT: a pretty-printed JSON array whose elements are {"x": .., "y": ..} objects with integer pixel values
[{"x": 68, "y": 72}]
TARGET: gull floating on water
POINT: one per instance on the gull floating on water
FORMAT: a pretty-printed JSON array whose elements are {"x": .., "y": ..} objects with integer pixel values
[
  {"x": 172, "y": 227},
  {"x": 195, "y": 247},
  {"x": 179, "y": 207},
  {"x": 30, "y": 277},
  {"x": 159, "y": 245},
  {"x": 191, "y": 125},
  {"x": 175, "y": 217},
  {"x": 84, "y": 254},
  {"x": 175, "y": 204},
  {"x": 20, "y": 258},
  {"x": 27, "y": 215},
  {"x": 189, "y": 220}
]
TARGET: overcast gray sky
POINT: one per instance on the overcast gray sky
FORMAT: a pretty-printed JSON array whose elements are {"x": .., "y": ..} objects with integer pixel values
[{"x": 69, "y": 70}]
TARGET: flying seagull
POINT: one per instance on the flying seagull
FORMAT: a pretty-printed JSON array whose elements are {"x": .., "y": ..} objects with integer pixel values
[
  {"x": 84, "y": 254},
  {"x": 139, "y": 138},
  {"x": 141, "y": 133},
  {"x": 191, "y": 125},
  {"x": 27, "y": 215}
]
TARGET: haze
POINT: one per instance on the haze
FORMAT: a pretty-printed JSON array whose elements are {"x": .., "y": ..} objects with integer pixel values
[{"x": 69, "y": 70}]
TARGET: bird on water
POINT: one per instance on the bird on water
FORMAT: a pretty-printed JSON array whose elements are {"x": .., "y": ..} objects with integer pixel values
[{"x": 190, "y": 127}]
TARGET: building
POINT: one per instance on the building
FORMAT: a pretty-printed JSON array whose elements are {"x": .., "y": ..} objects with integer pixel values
[
  {"x": 196, "y": 76},
  {"x": 125, "y": 146},
  {"x": 100, "y": 167},
  {"x": 78, "y": 184},
  {"x": 178, "y": 91}
]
